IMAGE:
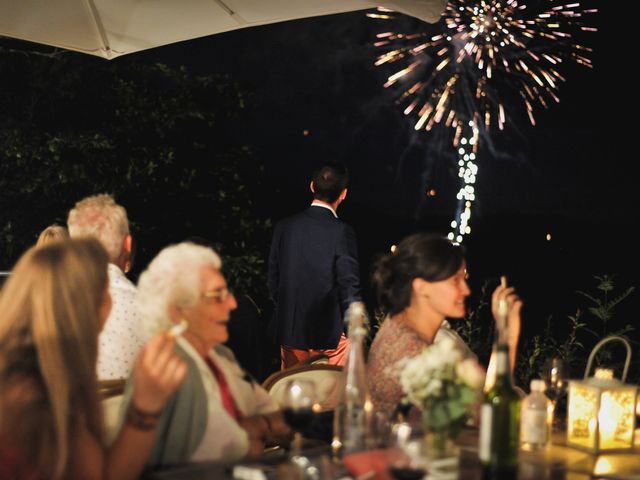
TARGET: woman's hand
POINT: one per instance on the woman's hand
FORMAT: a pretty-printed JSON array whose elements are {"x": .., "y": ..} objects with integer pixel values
[
  {"x": 256, "y": 428},
  {"x": 514, "y": 304},
  {"x": 279, "y": 431},
  {"x": 264, "y": 429},
  {"x": 157, "y": 374}
]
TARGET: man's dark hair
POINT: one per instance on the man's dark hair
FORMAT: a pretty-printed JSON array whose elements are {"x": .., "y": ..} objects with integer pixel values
[{"x": 329, "y": 181}]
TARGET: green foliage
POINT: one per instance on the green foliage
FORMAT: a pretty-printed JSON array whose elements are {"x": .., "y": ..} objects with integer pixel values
[
  {"x": 536, "y": 351},
  {"x": 477, "y": 327},
  {"x": 374, "y": 325},
  {"x": 602, "y": 307},
  {"x": 167, "y": 143},
  {"x": 570, "y": 340}
]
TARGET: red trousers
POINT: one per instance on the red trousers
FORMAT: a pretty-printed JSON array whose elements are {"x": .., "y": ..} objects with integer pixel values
[{"x": 337, "y": 356}]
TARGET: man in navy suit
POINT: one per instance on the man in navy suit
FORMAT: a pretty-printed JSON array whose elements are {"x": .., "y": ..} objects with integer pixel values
[{"x": 314, "y": 274}]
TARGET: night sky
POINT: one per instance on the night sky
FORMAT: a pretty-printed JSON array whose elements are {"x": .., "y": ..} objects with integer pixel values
[
  {"x": 317, "y": 75},
  {"x": 568, "y": 176},
  {"x": 318, "y": 96}
]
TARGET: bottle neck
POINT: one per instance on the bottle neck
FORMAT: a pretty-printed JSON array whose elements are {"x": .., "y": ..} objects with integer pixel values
[
  {"x": 355, "y": 341},
  {"x": 503, "y": 372},
  {"x": 355, "y": 367}
]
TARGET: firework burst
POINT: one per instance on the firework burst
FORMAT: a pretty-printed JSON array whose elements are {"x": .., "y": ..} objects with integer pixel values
[
  {"x": 483, "y": 54},
  {"x": 484, "y": 50}
]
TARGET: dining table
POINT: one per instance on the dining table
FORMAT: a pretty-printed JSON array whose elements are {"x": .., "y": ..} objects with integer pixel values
[{"x": 555, "y": 462}]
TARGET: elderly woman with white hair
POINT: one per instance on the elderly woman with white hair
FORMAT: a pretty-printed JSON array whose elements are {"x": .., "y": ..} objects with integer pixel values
[{"x": 218, "y": 412}]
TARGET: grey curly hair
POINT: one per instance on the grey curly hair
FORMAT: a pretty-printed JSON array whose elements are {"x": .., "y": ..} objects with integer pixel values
[
  {"x": 101, "y": 217},
  {"x": 172, "y": 278}
]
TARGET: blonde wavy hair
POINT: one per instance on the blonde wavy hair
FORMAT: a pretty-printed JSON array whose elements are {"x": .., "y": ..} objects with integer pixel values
[
  {"x": 52, "y": 233},
  {"x": 101, "y": 217},
  {"x": 48, "y": 350},
  {"x": 172, "y": 278}
]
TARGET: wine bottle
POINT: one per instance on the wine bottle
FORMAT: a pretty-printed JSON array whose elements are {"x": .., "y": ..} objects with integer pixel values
[
  {"x": 352, "y": 420},
  {"x": 500, "y": 412}
]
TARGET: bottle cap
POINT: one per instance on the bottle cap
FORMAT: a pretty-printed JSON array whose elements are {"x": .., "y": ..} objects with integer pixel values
[{"x": 537, "y": 386}]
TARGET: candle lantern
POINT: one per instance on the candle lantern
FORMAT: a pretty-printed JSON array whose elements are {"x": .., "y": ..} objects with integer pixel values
[{"x": 601, "y": 409}]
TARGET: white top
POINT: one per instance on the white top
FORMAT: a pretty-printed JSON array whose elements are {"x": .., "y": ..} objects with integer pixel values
[
  {"x": 223, "y": 437},
  {"x": 537, "y": 385},
  {"x": 317, "y": 203},
  {"x": 121, "y": 338}
]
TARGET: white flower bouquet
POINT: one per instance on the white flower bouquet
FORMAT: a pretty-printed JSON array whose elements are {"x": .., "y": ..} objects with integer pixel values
[{"x": 443, "y": 385}]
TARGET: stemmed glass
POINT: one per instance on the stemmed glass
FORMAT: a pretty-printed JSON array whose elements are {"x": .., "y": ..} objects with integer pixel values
[
  {"x": 298, "y": 409},
  {"x": 405, "y": 456},
  {"x": 555, "y": 378}
]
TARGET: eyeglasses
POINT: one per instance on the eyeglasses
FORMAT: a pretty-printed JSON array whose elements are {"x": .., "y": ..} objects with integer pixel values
[{"x": 220, "y": 294}]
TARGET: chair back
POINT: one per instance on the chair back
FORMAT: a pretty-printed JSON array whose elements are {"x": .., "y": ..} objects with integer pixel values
[
  {"x": 112, "y": 394},
  {"x": 317, "y": 359},
  {"x": 111, "y": 388},
  {"x": 327, "y": 379}
]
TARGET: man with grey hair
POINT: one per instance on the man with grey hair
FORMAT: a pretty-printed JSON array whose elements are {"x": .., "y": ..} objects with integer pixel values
[{"x": 121, "y": 338}]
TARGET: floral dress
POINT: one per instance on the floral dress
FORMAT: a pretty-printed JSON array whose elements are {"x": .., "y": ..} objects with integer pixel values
[{"x": 393, "y": 342}]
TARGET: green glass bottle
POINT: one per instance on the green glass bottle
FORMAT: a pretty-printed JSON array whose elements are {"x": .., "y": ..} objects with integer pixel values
[{"x": 500, "y": 415}]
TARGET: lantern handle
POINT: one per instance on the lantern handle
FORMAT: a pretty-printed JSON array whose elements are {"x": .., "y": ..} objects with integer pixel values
[{"x": 592, "y": 355}]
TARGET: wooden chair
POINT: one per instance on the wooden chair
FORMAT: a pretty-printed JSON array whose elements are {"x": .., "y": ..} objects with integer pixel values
[
  {"x": 111, "y": 388},
  {"x": 112, "y": 393},
  {"x": 320, "y": 358},
  {"x": 327, "y": 379}
]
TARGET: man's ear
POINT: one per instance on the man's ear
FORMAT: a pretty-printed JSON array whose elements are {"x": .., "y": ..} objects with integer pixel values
[
  {"x": 313, "y": 190},
  {"x": 343, "y": 194},
  {"x": 128, "y": 242}
]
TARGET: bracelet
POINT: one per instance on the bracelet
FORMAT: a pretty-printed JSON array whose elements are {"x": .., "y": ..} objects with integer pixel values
[{"x": 141, "y": 420}]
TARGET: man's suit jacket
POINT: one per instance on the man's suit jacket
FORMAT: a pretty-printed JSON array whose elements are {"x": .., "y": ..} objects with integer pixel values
[{"x": 313, "y": 277}]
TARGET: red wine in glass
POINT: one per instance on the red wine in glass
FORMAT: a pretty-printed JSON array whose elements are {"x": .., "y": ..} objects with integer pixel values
[
  {"x": 407, "y": 473},
  {"x": 298, "y": 418},
  {"x": 297, "y": 408}
]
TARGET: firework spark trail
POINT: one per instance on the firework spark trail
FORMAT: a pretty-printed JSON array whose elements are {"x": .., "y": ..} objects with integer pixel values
[
  {"x": 482, "y": 48},
  {"x": 461, "y": 76}
]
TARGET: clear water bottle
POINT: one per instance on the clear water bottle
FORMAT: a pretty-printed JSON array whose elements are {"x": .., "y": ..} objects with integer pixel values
[
  {"x": 353, "y": 414},
  {"x": 535, "y": 418}
]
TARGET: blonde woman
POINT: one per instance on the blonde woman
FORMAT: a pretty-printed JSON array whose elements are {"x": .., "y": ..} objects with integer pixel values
[
  {"x": 53, "y": 307},
  {"x": 52, "y": 233}
]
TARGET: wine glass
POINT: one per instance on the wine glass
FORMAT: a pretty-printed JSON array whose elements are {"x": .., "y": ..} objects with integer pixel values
[
  {"x": 404, "y": 454},
  {"x": 555, "y": 378},
  {"x": 298, "y": 409}
]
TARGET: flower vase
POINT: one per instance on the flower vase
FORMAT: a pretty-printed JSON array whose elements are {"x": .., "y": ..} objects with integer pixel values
[{"x": 442, "y": 453}]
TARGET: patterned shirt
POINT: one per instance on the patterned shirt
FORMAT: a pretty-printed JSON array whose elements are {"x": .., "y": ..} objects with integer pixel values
[
  {"x": 394, "y": 341},
  {"x": 121, "y": 338}
]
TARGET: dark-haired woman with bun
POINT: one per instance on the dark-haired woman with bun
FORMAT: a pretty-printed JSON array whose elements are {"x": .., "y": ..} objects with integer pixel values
[{"x": 419, "y": 285}]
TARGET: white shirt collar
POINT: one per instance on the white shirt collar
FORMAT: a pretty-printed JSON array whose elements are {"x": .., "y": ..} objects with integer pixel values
[{"x": 317, "y": 203}]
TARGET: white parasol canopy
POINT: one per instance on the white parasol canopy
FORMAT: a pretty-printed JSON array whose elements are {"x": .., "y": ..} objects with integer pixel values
[{"x": 110, "y": 28}]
